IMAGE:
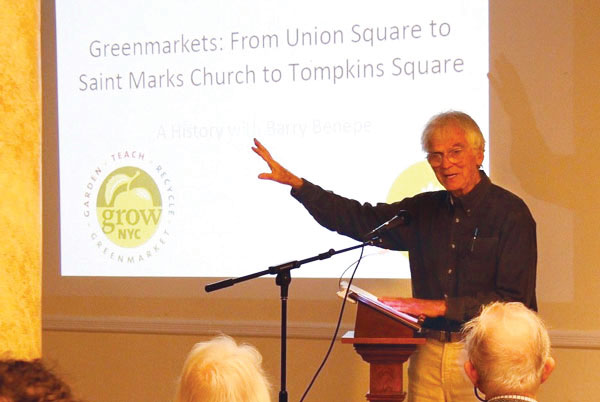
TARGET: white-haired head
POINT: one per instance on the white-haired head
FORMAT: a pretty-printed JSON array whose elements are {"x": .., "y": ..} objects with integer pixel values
[
  {"x": 220, "y": 370},
  {"x": 508, "y": 350},
  {"x": 456, "y": 119}
]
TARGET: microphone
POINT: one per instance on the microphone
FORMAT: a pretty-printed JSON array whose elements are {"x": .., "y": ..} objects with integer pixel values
[{"x": 400, "y": 219}]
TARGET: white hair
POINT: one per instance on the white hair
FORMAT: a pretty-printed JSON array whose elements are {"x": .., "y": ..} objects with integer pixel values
[
  {"x": 457, "y": 119},
  {"x": 220, "y": 370},
  {"x": 508, "y": 346}
]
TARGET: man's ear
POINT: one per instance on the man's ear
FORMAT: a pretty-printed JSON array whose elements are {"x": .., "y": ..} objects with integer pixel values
[
  {"x": 471, "y": 372},
  {"x": 479, "y": 157},
  {"x": 548, "y": 368}
]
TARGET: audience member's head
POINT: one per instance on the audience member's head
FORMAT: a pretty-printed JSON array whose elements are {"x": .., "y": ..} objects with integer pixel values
[
  {"x": 508, "y": 350},
  {"x": 220, "y": 370},
  {"x": 31, "y": 381}
]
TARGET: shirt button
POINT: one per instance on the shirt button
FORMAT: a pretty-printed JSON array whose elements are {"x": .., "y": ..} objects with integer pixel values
[{"x": 457, "y": 220}]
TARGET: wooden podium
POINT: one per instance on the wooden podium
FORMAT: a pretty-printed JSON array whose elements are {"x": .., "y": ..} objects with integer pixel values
[{"x": 385, "y": 339}]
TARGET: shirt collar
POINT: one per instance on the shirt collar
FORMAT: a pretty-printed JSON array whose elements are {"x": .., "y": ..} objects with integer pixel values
[
  {"x": 502, "y": 398},
  {"x": 471, "y": 200}
]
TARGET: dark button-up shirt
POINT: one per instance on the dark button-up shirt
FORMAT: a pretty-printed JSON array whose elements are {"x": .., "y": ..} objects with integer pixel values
[{"x": 469, "y": 250}]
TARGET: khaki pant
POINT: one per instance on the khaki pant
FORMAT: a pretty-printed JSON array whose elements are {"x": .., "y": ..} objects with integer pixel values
[{"x": 436, "y": 373}]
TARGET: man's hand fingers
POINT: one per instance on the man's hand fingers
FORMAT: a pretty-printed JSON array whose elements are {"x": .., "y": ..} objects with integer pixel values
[
  {"x": 265, "y": 176},
  {"x": 278, "y": 172},
  {"x": 260, "y": 149},
  {"x": 393, "y": 302}
]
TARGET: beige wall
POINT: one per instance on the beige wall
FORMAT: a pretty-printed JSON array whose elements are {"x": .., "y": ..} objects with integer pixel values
[
  {"x": 20, "y": 203},
  {"x": 545, "y": 123},
  {"x": 132, "y": 367}
]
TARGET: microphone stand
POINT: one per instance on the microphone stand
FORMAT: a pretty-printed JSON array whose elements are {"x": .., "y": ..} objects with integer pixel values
[{"x": 283, "y": 280}]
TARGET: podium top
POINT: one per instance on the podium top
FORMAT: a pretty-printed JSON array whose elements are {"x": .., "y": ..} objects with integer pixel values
[
  {"x": 349, "y": 337},
  {"x": 362, "y": 296}
]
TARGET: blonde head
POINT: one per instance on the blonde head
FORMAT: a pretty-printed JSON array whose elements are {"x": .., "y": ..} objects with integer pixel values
[{"x": 220, "y": 370}]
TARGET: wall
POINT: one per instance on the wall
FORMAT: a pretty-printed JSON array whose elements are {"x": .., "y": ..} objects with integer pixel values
[{"x": 20, "y": 204}]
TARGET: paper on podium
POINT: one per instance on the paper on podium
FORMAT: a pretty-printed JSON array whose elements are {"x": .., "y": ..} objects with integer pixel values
[{"x": 356, "y": 294}]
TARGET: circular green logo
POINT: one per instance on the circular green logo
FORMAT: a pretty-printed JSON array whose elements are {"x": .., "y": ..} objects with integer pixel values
[
  {"x": 415, "y": 179},
  {"x": 128, "y": 206}
]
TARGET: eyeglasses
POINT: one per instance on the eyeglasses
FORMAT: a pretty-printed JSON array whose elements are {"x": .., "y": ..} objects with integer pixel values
[{"x": 455, "y": 155}]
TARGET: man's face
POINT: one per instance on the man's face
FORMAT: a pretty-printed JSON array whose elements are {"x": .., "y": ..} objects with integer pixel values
[{"x": 458, "y": 170}]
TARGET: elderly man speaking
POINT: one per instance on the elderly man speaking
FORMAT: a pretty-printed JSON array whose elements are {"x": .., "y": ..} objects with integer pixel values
[{"x": 469, "y": 245}]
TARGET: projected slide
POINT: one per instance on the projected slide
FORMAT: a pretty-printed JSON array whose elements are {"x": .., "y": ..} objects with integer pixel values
[{"x": 158, "y": 103}]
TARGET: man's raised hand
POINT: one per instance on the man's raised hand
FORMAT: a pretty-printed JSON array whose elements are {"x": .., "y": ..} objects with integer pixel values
[{"x": 278, "y": 172}]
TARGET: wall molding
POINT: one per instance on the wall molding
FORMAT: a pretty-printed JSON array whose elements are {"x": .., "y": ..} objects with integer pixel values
[
  {"x": 568, "y": 339},
  {"x": 168, "y": 326},
  {"x": 575, "y": 339}
]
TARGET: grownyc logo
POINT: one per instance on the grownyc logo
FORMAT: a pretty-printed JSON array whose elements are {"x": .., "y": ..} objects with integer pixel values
[{"x": 128, "y": 204}]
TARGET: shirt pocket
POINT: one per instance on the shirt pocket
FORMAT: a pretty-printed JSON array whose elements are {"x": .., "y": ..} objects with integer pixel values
[
  {"x": 483, "y": 248},
  {"x": 480, "y": 261}
]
